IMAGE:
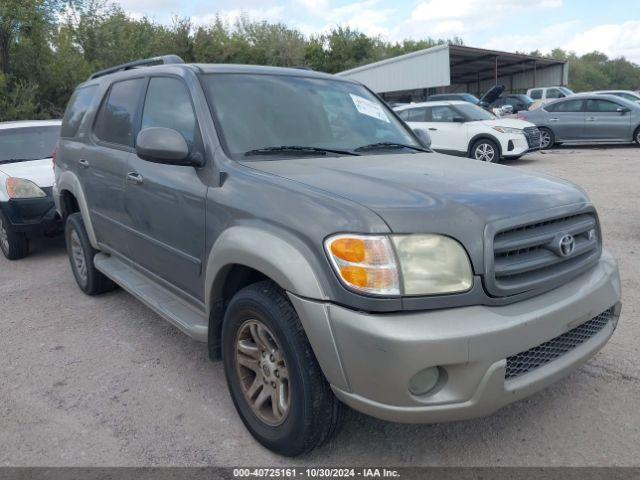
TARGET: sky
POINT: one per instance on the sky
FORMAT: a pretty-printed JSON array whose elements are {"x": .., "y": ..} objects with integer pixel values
[{"x": 612, "y": 27}]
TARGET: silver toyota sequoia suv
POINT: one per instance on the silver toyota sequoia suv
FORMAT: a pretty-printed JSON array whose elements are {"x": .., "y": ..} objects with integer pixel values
[{"x": 324, "y": 253}]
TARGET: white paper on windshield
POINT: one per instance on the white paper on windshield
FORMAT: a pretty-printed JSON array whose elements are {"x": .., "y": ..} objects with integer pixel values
[{"x": 369, "y": 108}]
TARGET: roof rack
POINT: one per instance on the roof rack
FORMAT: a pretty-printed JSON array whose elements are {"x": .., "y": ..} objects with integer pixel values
[{"x": 162, "y": 60}]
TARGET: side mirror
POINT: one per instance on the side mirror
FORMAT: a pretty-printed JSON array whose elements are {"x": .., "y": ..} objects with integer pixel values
[
  {"x": 459, "y": 119},
  {"x": 162, "y": 145},
  {"x": 423, "y": 136},
  {"x": 622, "y": 110},
  {"x": 507, "y": 109}
]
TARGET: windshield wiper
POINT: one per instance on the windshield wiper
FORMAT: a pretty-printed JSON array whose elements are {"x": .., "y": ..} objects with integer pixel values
[
  {"x": 16, "y": 160},
  {"x": 296, "y": 149},
  {"x": 386, "y": 145}
]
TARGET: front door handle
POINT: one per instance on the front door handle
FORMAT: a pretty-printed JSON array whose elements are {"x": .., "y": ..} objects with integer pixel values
[
  {"x": 433, "y": 129},
  {"x": 554, "y": 119},
  {"x": 135, "y": 178},
  {"x": 591, "y": 119},
  {"x": 83, "y": 163}
]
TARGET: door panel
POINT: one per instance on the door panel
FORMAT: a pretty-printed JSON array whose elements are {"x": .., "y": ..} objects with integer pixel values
[
  {"x": 567, "y": 119},
  {"x": 103, "y": 171},
  {"x": 603, "y": 122},
  {"x": 166, "y": 214},
  {"x": 165, "y": 204}
]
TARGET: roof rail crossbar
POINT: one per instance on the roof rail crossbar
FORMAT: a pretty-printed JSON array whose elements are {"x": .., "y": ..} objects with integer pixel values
[{"x": 162, "y": 60}]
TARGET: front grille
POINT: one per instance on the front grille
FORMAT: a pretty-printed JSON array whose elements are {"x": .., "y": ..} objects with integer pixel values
[
  {"x": 539, "y": 356},
  {"x": 533, "y": 136},
  {"x": 531, "y": 256}
]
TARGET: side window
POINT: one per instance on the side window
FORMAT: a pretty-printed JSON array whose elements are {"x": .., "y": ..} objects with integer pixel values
[
  {"x": 536, "y": 94},
  {"x": 417, "y": 115},
  {"x": 442, "y": 114},
  {"x": 567, "y": 106},
  {"x": 554, "y": 93},
  {"x": 601, "y": 106},
  {"x": 116, "y": 118},
  {"x": 77, "y": 107},
  {"x": 404, "y": 115},
  {"x": 168, "y": 105}
]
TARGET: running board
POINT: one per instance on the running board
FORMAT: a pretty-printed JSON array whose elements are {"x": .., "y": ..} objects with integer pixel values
[{"x": 169, "y": 306}]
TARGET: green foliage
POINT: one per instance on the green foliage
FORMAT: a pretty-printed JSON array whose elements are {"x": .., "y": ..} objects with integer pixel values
[{"x": 47, "y": 47}]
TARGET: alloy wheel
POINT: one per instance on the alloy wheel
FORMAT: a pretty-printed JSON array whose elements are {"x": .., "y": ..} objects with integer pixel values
[
  {"x": 485, "y": 152},
  {"x": 4, "y": 237},
  {"x": 263, "y": 373},
  {"x": 77, "y": 255},
  {"x": 545, "y": 139}
]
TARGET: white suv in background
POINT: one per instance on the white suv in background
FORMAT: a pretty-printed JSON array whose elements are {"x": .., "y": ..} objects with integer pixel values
[
  {"x": 26, "y": 181},
  {"x": 460, "y": 128},
  {"x": 543, "y": 95}
]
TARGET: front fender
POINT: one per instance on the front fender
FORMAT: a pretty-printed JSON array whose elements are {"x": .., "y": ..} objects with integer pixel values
[
  {"x": 68, "y": 181},
  {"x": 276, "y": 254}
]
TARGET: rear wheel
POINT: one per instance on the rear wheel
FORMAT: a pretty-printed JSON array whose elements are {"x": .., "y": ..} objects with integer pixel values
[
  {"x": 547, "y": 139},
  {"x": 81, "y": 253},
  {"x": 274, "y": 378},
  {"x": 485, "y": 150},
  {"x": 14, "y": 245}
]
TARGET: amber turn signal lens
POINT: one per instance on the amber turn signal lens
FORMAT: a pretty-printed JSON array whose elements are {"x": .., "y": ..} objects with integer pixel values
[
  {"x": 349, "y": 249},
  {"x": 356, "y": 276}
]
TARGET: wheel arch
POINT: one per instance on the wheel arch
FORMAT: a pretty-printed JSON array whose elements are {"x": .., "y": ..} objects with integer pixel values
[
  {"x": 484, "y": 136},
  {"x": 72, "y": 199},
  {"x": 245, "y": 254}
]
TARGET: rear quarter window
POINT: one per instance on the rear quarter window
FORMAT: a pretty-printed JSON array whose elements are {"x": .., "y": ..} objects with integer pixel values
[{"x": 76, "y": 109}]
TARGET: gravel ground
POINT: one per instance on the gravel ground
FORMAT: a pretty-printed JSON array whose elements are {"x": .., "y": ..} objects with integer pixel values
[{"x": 104, "y": 381}]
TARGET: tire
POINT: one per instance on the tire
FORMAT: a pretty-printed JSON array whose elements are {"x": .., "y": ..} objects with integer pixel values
[
  {"x": 636, "y": 136},
  {"x": 260, "y": 318},
  {"x": 81, "y": 253},
  {"x": 547, "y": 138},
  {"x": 485, "y": 150},
  {"x": 14, "y": 245}
]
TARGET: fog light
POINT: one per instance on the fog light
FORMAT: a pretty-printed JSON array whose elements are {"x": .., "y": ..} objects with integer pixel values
[{"x": 424, "y": 381}]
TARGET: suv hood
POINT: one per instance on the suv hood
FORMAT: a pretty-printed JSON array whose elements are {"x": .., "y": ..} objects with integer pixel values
[
  {"x": 429, "y": 192},
  {"x": 39, "y": 172}
]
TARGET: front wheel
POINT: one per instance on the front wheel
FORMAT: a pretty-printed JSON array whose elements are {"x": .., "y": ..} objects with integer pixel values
[
  {"x": 485, "y": 150},
  {"x": 274, "y": 378},
  {"x": 636, "y": 136},
  {"x": 14, "y": 245}
]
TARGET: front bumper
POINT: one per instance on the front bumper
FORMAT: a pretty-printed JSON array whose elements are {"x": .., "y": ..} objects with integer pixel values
[
  {"x": 35, "y": 216},
  {"x": 370, "y": 358},
  {"x": 516, "y": 145}
]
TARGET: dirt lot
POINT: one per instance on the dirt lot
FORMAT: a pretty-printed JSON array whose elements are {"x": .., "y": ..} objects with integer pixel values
[{"x": 104, "y": 381}]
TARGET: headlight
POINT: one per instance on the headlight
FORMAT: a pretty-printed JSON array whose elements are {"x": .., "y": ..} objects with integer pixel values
[
  {"x": 400, "y": 264},
  {"x": 23, "y": 188},
  {"x": 508, "y": 130}
]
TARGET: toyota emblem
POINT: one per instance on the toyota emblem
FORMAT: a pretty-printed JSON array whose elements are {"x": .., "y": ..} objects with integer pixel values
[{"x": 566, "y": 245}]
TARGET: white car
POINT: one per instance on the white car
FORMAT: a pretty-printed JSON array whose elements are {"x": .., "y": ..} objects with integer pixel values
[
  {"x": 460, "y": 128},
  {"x": 26, "y": 181},
  {"x": 626, "y": 94}
]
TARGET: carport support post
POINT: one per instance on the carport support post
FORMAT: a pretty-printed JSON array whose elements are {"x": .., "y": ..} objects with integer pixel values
[
  {"x": 535, "y": 64},
  {"x": 496, "y": 72},
  {"x": 478, "y": 83}
]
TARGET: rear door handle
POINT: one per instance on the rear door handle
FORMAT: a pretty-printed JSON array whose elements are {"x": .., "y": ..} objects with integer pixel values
[
  {"x": 433, "y": 129},
  {"x": 591, "y": 119},
  {"x": 135, "y": 177},
  {"x": 83, "y": 163}
]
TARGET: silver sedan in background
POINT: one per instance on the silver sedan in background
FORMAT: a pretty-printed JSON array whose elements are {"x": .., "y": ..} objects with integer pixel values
[{"x": 586, "y": 118}]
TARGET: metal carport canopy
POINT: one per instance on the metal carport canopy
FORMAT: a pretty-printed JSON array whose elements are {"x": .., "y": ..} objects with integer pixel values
[{"x": 446, "y": 65}]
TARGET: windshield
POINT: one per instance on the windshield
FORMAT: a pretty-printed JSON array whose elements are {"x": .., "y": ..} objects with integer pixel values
[
  {"x": 258, "y": 112},
  {"x": 566, "y": 91},
  {"x": 474, "y": 113},
  {"x": 471, "y": 98},
  {"x": 30, "y": 143}
]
